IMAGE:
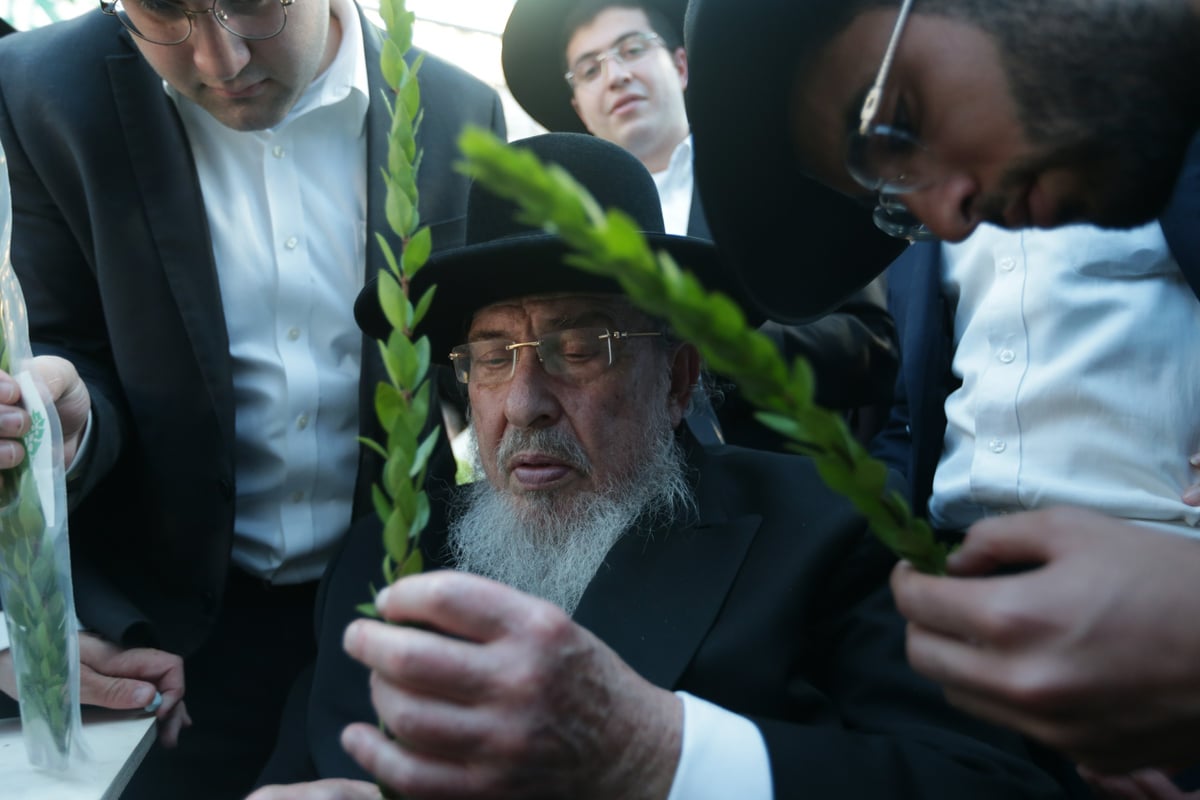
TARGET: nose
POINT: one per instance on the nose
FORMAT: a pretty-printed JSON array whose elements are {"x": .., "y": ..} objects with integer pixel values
[
  {"x": 948, "y": 207},
  {"x": 218, "y": 54},
  {"x": 531, "y": 401},
  {"x": 618, "y": 72}
]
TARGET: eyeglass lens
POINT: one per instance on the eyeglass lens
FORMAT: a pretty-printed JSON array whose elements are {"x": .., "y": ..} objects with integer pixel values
[
  {"x": 893, "y": 218},
  {"x": 891, "y": 160},
  {"x": 168, "y": 22},
  {"x": 578, "y": 354},
  {"x": 627, "y": 50}
]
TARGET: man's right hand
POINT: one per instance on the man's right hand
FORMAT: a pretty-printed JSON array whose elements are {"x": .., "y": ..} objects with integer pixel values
[
  {"x": 1095, "y": 651},
  {"x": 71, "y": 400},
  {"x": 112, "y": 677}
]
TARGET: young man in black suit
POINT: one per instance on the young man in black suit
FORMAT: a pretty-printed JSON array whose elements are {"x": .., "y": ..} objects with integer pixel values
[{"x": 195, "y": 199}]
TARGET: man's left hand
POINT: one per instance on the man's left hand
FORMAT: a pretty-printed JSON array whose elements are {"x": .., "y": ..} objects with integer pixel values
[{"x": 493, "y": 693}]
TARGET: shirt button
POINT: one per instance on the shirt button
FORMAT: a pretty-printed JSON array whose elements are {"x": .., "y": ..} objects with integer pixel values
[
  {"x": 997, "y": 446},
  {"x": 302, "y": 422},
  {"x": 277, "y": 151},
  {"x": 297, "y": 497},
  {"x": 291, "y": 243},
  {"x": 1006, "y": 264},
  {"x": 1007, "y": 356},
  {"x": 293, "y": 334}
]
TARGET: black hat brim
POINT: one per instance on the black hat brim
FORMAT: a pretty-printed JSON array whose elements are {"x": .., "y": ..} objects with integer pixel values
[
  {"x": 473, "y": 277},
  {"x": 799, "y": 247}
]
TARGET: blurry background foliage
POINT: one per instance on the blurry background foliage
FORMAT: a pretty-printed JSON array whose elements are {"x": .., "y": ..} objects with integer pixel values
[{"x": 463, "y": 32}]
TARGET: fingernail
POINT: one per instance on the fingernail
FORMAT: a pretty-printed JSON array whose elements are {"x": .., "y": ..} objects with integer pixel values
[
  {"x": 350, "y": 636},
  {"x": 1195, "y": 460},
  {"x": 153, "y": 705},
  {"x": 12, "y": 422},
  {"x": 381, "y": 598}
]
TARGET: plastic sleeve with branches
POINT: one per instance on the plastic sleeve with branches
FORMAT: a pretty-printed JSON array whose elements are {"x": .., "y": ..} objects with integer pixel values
[
  {"x": 38, "y": 615},
  {"x": 609, "y": 243}
]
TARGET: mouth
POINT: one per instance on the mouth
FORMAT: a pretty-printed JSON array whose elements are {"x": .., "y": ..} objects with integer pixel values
[
  {"x": 231, "y": 93},
  {"x": 625, "y": 102},
  {"x": 534, "y": 471}
]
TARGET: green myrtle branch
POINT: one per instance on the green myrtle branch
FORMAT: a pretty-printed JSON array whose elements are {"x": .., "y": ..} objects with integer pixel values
[
  {"x": 609, "y": 243},
  {"x": 39, "y": 620},
  {"x": 402, "y": 403}
]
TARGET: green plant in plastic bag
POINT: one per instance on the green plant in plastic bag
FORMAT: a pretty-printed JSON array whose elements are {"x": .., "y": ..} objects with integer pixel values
[{"x": 35, "y": 576}]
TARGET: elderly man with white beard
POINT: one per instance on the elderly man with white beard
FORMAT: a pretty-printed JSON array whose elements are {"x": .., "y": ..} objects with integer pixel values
[{"x": 626, "y": 613}]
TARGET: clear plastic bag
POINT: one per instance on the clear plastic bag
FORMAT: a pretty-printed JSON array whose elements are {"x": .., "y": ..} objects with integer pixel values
[{"x": 35, "y": 562}]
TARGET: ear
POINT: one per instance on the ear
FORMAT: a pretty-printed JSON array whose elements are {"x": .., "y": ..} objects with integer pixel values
[
  {"x": 685, "y": 373},
  {"x": 679, "y": 59}
]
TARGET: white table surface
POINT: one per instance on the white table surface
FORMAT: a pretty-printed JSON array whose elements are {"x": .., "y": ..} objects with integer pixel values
[{"x": 116, "y": 742}]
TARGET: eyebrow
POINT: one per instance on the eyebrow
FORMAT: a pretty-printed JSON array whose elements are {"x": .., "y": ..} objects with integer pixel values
[{"x": 614, "y": 43}]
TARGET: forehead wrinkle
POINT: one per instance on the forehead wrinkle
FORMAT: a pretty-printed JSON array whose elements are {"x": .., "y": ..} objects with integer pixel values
[{"x": 552, "y": 311}]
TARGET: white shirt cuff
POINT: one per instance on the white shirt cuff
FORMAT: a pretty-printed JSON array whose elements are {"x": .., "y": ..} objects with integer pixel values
[
  {"x": 723, "y": 755},
  {"x": 3, "y": 632}
]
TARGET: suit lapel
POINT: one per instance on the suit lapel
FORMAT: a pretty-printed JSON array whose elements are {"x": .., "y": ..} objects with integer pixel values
[
  {"x": 372, "y": 370},
  {"x": 655, "y": 598},
  {"x": 176, "y": 220},
  {"x": 697, "y": 223},
  {"x": 1181, "y": 219}
]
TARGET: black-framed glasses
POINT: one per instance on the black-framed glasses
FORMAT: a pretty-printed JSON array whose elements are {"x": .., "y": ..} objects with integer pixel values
[
  {"x": 168, "y": 22},
  {"x": 577, "y": 354},
  {"x": 626, "y": 50},
  {"x": 889, "y": 159}
]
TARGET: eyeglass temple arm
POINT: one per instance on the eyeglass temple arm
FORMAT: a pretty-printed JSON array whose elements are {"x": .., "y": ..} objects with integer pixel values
[{"x": 871, "y": 103}]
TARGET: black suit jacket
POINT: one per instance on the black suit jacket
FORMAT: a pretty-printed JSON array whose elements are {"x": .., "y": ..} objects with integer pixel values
[
  {"x": 113, "y": 251},
  {"x": 911, "y": 442},
  {"x": 773, "y": 604}
]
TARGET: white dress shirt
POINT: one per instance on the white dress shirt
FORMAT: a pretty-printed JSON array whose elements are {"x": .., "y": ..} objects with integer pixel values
[
  {"x": 287, "y": 212},
  {"x": 675, "y": 188},
  {"x": 1080, "y": 377}
]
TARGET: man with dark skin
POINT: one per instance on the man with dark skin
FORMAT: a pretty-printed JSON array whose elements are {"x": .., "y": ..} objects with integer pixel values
[{"x": 942, "y": 115}]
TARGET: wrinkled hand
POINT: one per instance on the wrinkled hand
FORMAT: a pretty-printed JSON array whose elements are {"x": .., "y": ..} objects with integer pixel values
[
  {"x": 499, "y": 695},
  {"x": 329, "y": 789},
  {"x": 71, "y": 400},
  {"x": 112, "y": 677},
  {"x": 1142, "y": 784},
  {"x": 1096, "y": 652}
]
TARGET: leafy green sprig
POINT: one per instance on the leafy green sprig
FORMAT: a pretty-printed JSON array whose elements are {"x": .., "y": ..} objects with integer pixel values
[
  {"x": 39, "y": 617},
  {"x": 403, "y": 402},
  {"x": 609, "y": 243}
]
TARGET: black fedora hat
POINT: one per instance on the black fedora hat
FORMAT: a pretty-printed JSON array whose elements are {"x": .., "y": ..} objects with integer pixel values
[
  {"x": 504, "y": 258},
  {"x": 532, "y": 55},
  {"x": 799, "y": 247}
]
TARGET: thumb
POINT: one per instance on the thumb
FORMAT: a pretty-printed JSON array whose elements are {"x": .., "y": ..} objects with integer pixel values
[
  {"x": 1009, "y": 543},
  {"x": 118, "y": 693}
]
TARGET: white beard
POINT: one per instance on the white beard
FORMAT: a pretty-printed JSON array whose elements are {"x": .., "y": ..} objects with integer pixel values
[{"x": 551, "y": 545}]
